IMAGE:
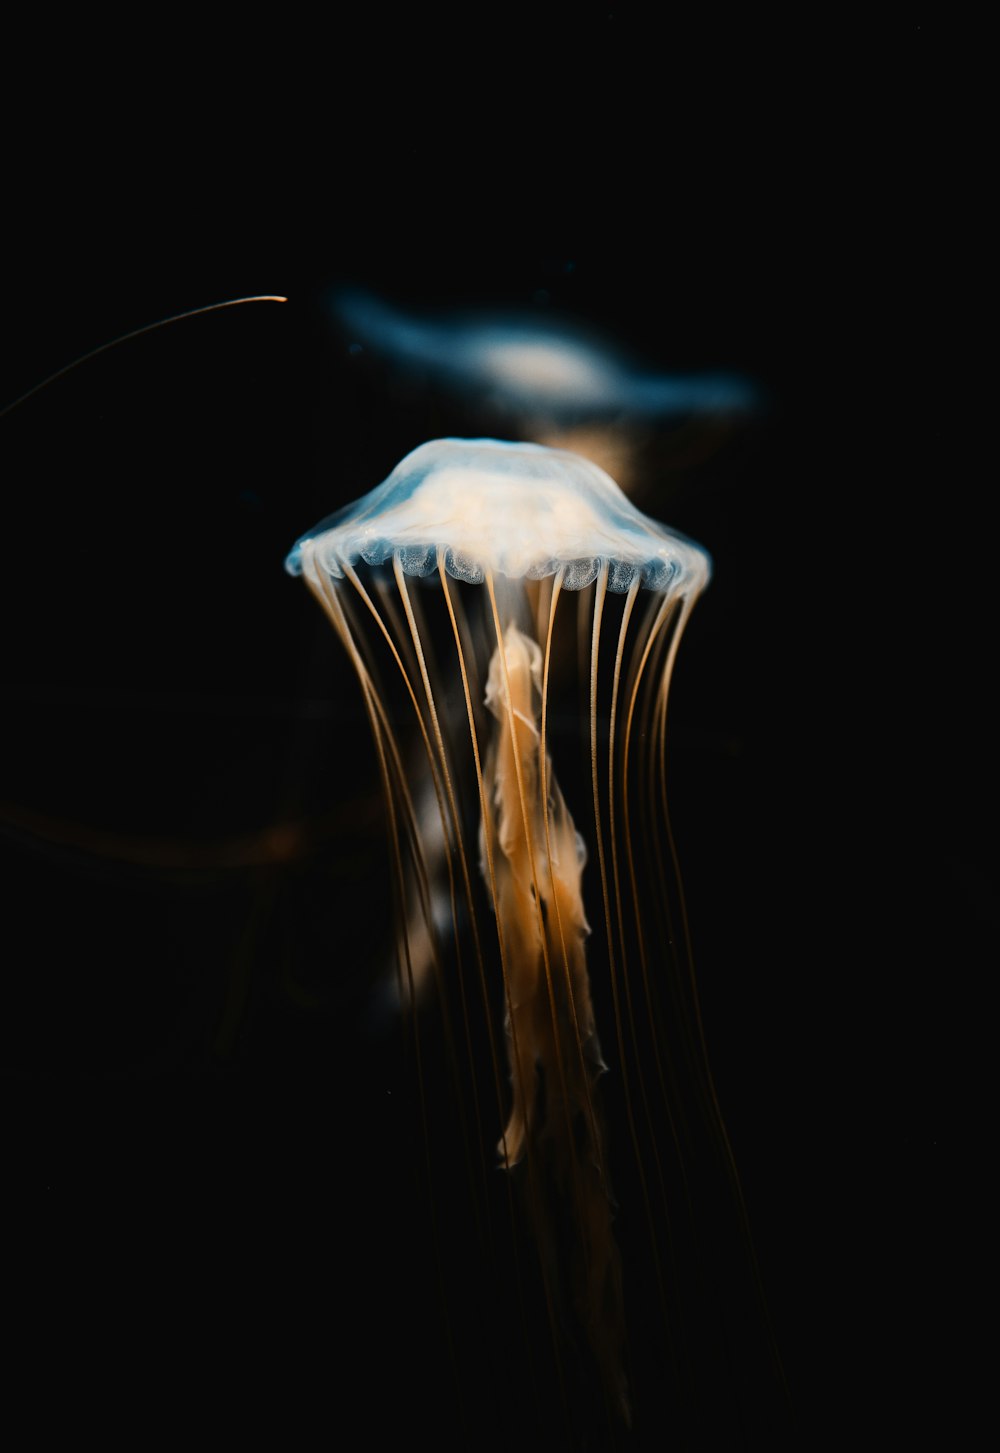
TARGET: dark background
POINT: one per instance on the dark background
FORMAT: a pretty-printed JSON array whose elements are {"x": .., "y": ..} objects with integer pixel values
[{"x": 209, "y": 1164}]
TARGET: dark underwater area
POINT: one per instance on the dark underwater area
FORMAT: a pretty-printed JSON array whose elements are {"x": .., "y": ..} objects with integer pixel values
[{"x": 227, "y": 1202}]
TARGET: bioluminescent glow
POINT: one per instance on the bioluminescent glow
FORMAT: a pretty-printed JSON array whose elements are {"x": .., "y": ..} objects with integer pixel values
[
  {"x": 506, "y": 605},
  {"x": 552, "y": 374}
]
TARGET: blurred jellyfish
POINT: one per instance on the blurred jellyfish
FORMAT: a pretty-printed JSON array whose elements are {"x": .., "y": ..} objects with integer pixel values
[
  {"x": 508, "y": 605},
  {"x": 554, "y": 382}
]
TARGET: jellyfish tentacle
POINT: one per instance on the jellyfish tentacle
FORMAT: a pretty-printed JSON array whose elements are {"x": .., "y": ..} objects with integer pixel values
[
  {"x": 522, "y": 898},
  {"x": 577, "y": 987},
  {"x": 335, "y": 610},
  {"x": 504, "y": 963},
  {"x": 663, "y": 616},
  {"x": 523, "y": 865},
  {"x": 385, "y": 742},
  {"x": 456, "y": 829},
  {"x": 600, "y": 591},
  {"x": 601, "y": 1295},
  {"x": 388, "y": 751},
  {"x": 403, "y": 944},
  {"x": 539, "y": 890},
  {"x": 701, "y": 1055},
  {"x": 664, "y": 633},
  {"x": 352, "y": 576},
  {"x": 127, "y": 338},
  {"x": 504, "y": 1148},
  {"x": 656, "y": 633},
  {"x": 612, "y": 722}
]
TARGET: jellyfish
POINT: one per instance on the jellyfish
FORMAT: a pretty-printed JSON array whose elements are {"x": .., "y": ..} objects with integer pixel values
[
  {"x": 549, "y": 380},
  {"x": 508, "y": 607}
]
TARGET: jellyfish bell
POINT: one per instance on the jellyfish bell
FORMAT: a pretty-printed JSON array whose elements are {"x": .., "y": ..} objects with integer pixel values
[
  {"x": 505, "y": 605},
  {"x": 492, "y": 508}
]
